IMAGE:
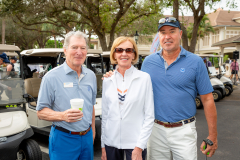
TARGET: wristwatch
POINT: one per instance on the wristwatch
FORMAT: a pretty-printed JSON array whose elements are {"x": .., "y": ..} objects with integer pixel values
[{"x": 208, "y": 141}]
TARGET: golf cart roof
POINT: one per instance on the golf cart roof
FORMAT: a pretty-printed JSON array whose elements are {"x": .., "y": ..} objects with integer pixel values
[
  {"x": 8, "y": 48},
  {"x": 209, "y": 55},
  {"x": 144, "y": 53},
  {"x": 106, "y": 54},
  {"x": 94, "y": 51},
  {"x": 48, "y": 52},
  {"x": 51, "y": 52}
]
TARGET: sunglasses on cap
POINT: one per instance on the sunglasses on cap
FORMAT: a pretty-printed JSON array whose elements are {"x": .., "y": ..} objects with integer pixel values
[
  {"x": 127, "y": 50},
  {"x": 167, "y": 19}
]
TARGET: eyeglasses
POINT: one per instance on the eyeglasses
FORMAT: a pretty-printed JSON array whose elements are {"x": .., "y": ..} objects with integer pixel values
[
  {"x": 167, "y": 19},
  {"x": 127, "y": 50}
]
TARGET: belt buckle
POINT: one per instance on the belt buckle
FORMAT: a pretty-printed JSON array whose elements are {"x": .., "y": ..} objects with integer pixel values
[
  {"x": 81, "y": 133},
  {"x": 167, "y": 125}
]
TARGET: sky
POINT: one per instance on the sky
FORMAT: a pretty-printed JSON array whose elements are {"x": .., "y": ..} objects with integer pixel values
[{"x": 221, "y": 4}]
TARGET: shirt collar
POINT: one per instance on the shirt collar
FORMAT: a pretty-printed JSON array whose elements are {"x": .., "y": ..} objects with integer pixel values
[
  {"x": 182, "y": 53},
  {"x": 127, "y": 72},
  {"x": 67, "y": 69}
]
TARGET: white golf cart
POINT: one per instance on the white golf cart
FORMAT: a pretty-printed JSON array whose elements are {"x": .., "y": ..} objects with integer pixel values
[
  {"x": 218, "y": 86},
  {"x": 47, "y": 58},
  {"x": 15, "y": 130},
  {"x": 219, "y": 73}
]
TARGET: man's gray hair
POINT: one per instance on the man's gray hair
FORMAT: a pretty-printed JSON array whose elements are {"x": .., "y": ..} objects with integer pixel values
[{"x": 78, "y": 34}]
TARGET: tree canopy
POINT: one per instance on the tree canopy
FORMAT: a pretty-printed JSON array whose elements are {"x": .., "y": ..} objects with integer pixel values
[
  {"x": 197, "y": 7},
  {"x": 99, "y": 16},
  {"x": 23, "y": 38}
]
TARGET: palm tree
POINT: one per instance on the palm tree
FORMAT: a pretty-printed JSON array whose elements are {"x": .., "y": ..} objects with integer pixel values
[{"x": 205, "y": 28}]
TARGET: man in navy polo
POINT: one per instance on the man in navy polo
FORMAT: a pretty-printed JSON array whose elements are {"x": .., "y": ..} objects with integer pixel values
[
  {"x": 69, "y": 138},
  {"x": 177, "y": 76}
]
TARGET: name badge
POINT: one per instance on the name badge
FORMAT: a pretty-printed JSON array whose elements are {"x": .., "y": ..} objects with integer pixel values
[{"x": 68, "y": 84}]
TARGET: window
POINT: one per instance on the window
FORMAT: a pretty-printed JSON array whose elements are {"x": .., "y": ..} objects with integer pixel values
[
  {"x": 230, "y": 34},
  {"x": 206, "y": 40},
  {"x": 215, "y": 37}
]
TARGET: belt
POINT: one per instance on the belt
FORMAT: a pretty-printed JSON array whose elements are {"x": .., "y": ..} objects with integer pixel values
[
  {"x": 177, "y": 124},
  {"x": 67, "y": 131}
]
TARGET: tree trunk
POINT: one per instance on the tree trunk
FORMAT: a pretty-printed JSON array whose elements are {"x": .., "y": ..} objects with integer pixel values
[
  {"x": 197, "y": 20},
  {"x": 184, "y": 38},
  {"x": 103, "y": 42},
  {"x": 176, "y": 9},
  {"x": 89, "y": 38},
  {"x": 176, "y": 15},
  {"x": 111, "y": 39},
  {"x": 3, "y": 31},
  {"x": 55, "y": 41},
  {"x": 198, "y": 44}
]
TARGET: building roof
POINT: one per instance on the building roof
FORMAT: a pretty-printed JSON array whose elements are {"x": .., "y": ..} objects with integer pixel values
[
  {"x": 236, "y": 16},
  {"x": 235, "y": 39},
  {"x": 223, "y": 18}
]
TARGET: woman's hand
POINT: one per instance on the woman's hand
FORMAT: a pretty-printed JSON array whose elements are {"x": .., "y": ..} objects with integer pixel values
[
  {"x": 104, "y": 155},
  {"x": 137, "y": 154}
]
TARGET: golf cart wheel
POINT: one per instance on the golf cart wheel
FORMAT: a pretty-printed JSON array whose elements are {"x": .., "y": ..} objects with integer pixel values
[
  {"x": 217, "y": 95},
  {"x": 29, "y": 150},
  {"x": 228, "y": 90},
  {"x": 199, "y": 104}
]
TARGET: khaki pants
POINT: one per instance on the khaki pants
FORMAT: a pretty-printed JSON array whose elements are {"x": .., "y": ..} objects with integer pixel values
[{"x": 178, "y": 143}]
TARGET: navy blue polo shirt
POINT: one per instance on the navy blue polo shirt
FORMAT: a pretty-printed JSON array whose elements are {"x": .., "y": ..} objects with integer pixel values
[{"x": 175, "y": 86}]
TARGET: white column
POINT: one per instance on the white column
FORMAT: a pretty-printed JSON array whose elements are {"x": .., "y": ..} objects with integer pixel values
[
  {"x": 221, "y": 53},
  {"x": 221, "y": 34}
]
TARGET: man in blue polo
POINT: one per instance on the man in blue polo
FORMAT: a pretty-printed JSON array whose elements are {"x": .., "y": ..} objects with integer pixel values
[
  {"x": 69, "y": 138},
  {"x": 177, "y": 76}
]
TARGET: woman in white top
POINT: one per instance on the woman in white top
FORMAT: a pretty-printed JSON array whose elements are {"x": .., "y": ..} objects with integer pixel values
[{"x": 127, "y": 105}]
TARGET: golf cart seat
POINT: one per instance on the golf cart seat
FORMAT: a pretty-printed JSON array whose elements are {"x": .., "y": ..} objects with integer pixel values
[
  {"x": 32, "y": 86},
  {"x": 35, "y": 75}
]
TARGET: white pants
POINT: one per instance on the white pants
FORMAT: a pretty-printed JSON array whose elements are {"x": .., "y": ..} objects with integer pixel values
[{"x": 178, "y": 143}]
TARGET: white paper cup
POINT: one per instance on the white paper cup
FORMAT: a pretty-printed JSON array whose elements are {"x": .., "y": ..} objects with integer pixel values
[{"x": 77, "y": 104}]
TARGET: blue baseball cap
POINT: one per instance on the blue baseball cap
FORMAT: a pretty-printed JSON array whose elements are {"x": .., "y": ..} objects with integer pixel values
[
  {"x": 169, "y": 21},
  {"x": 4, "y": 57}
]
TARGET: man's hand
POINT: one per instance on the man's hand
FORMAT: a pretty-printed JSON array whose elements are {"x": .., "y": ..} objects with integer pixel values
[
  {"x": 137, "y": 154},
  {"x": 9, "y": 88},
  {"x": 72, "y": 115},
  {"x": 108, "y": 74},
  {"x": 104, "y": 155},
  {"x": 210, "y": 149}
]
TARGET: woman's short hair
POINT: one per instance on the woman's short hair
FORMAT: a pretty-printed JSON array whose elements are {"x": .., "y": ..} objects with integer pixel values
[
  {"x": 119, "y": 41},
  {"x": 78, "y": 34}
]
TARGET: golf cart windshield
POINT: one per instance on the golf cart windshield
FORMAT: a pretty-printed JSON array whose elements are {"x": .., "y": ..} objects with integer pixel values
[
  {"x": 11, "y": 88},
  {"x": 11, "y": 85}
]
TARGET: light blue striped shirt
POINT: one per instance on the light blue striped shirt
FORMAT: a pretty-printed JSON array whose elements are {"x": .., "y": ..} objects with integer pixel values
[{"x": 56, "y": 96}]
